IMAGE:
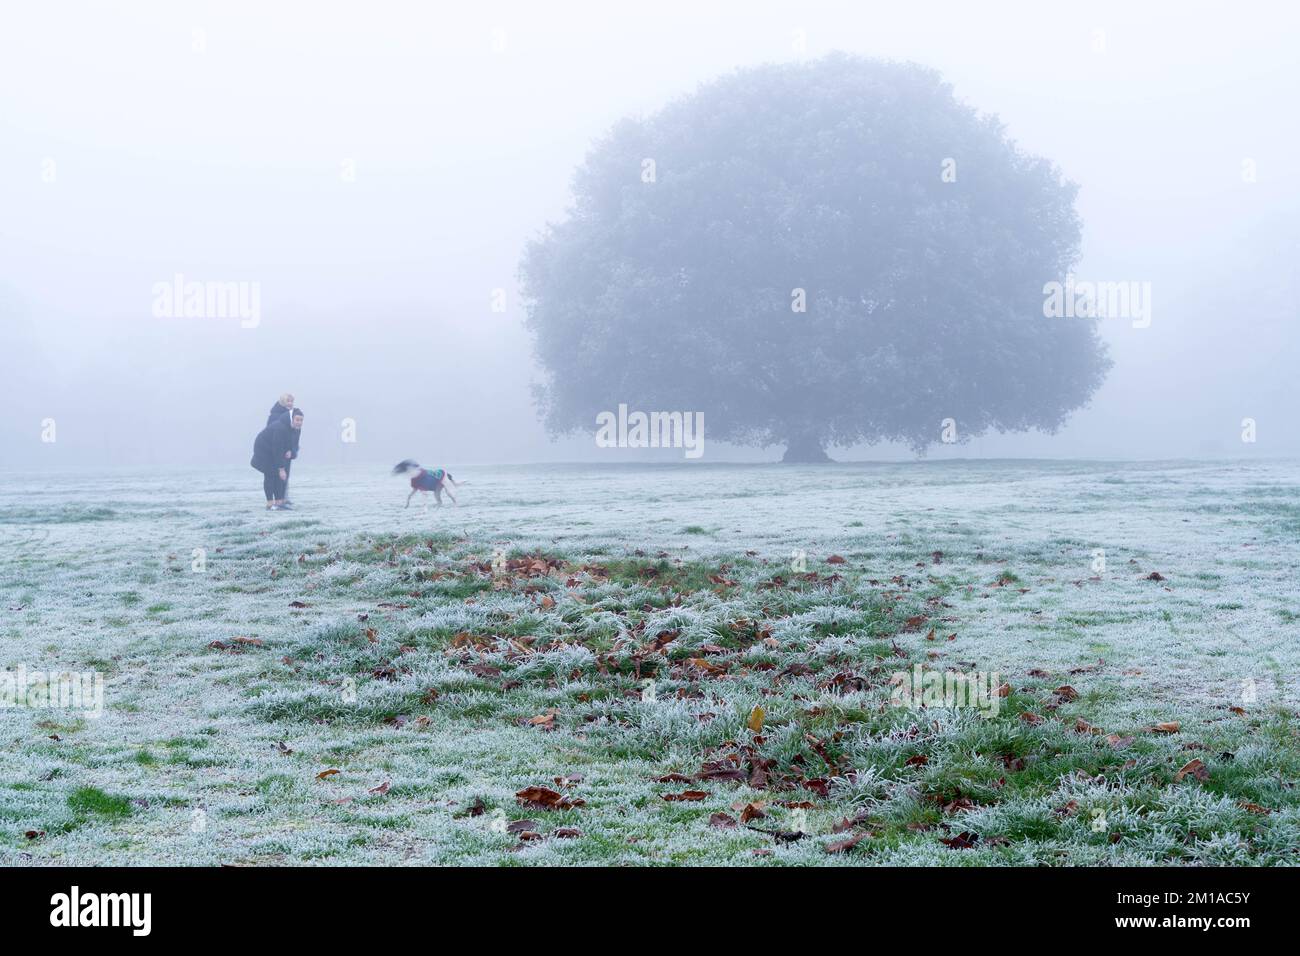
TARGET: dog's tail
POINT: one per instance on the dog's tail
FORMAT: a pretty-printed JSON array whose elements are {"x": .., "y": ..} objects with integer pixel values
[{"x": 405, "y": 465}]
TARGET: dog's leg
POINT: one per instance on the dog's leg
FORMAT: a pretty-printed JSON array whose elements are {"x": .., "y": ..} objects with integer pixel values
[{"x": 408, "y": 498}]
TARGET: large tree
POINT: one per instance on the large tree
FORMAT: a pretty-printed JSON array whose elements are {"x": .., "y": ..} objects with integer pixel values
[{"x": 919, "y": 237}]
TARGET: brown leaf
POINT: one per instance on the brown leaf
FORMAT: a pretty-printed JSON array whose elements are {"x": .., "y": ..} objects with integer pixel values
[
  {"x": 835, "y": 559},
  {"x": 1168, "y": 727},
  {"x": 843, "y": 846},
  {"x": 1066, "y": 692},
  {"x": 673, "y": 778},
  {"x": 723, "y": 821},
  {"x": 567, "y": 833},
  {"x": 299, "y": 604},
  {"x": 1031, "y": 719},
  {"x": 544, "y": 798},
  {"x": 755, "y": 722},
  {"x": 1195, "y": 768},
  {"x": 1255, "y": 808},
  {"x": 750, "y": 811},
  {"x": 962, "y": 841},
  {"x": 326, "y": 773},
  {"x": 1118, "y": 742},
  {"x": 848, "y": 823},
  {"x": 686, "y": 796},
  {"x": 721, "y": 771}
]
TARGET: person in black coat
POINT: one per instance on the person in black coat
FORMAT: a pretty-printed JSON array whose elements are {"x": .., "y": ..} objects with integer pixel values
[{"x": 274, "y": 448}]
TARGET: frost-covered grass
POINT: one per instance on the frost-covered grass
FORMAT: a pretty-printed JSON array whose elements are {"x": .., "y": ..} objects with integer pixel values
[{"x": 609, "y": 633}]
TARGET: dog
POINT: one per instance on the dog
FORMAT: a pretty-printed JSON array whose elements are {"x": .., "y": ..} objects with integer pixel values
[{"x": 426, "y": 480}]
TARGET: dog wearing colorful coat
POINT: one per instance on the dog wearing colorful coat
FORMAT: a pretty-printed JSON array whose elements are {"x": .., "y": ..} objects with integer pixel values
[{"x": 427, "y": 479}]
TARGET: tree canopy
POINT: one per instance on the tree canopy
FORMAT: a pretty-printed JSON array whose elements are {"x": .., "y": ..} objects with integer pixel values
[{"x": 914, "y": 233}]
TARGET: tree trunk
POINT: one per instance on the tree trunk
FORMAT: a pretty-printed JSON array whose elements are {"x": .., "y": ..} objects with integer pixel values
[{"x": 805, "y": 449}]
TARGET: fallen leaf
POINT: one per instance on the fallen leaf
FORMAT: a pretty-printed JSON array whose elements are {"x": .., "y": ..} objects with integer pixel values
[
  {"x": 723, "y": 821},
  {"x": 962, "y": 841},
  {"x": 382, "y": 788},
  {"x": 1168, "y": 727},
  {"x": 848, "y": 823},
  {"x": 686, "y": 796},
  {"x": 755, "y": 722},
  {"x": 326, "y": 773},
  {"x": 1195, "y": 768},
  {"x": 544, "y": 798},
  {"x": 843, "y": 846},
  {"x": 786, "y": 836},
  {"x": 673, "y": 778}
]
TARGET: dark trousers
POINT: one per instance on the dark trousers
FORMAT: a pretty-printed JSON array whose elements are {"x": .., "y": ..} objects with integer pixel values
[{"x": 273, "y": 484}]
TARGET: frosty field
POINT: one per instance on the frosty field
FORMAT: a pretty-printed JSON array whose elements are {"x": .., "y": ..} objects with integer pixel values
[{"x": 604, "y": 637}]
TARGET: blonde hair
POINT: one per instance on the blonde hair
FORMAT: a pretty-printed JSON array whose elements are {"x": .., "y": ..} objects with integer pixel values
[{"x": 287, "y": 399}]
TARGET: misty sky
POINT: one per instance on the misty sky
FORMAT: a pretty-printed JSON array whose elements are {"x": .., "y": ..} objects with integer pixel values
[{"x": 218, "y": 141}]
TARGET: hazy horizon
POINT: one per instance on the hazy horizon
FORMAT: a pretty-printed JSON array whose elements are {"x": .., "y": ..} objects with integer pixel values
[{"x": 377, "y": 176}]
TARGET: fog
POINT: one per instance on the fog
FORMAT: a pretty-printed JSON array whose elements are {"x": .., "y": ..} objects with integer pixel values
[{"x": 377, "y": 168}]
